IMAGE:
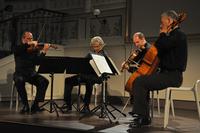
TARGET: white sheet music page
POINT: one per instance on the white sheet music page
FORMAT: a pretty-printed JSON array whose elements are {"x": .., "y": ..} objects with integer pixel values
[
  {"x": 101, "y": 64},
  {"x": 113, "y": 64}
]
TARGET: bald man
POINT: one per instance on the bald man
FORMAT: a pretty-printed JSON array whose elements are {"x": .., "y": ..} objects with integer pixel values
[
  {"x": 27, "y": 56},
  {"x": 142, "y": 46}
]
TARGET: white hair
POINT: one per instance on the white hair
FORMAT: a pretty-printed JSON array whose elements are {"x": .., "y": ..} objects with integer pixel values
[
  {"x": 97, "y": 39},
  {"x": 171, "y": 13}
]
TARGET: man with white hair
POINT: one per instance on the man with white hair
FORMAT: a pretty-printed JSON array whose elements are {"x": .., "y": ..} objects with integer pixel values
[
  {"x": 172, "y": 53},
  {"x": 96, "y": 44}
]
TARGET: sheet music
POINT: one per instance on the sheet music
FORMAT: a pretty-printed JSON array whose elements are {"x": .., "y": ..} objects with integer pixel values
[
  {"x": 93, "y": 64},
  {"x": 113, "y": 64},
  {"x": 101, "y": 64}
]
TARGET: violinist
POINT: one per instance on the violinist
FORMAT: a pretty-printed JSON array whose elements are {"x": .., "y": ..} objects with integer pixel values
[
  {"x": 141, "y": 47},
  {"x": 171, "y": 46},
  {"x": 27, "y": 55},
  {"x": 97, "y": 47}
]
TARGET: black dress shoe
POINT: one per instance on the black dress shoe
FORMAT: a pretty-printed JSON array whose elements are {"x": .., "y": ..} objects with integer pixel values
[
  {"x": 86, "y": 109},
  {"x": 130, "y": 113},
  {"x": 133, "y": 114},
  {"x": 35, "y": 108},
  {"x": 139, "y": 122},
  {"x": 66, "y": 109},
  {"x": 25, "y": 109}
]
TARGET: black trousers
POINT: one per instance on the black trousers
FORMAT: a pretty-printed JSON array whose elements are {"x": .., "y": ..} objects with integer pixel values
[
  {"x": 157, "y": 81},
  {"x": 89, "y": 81},
  {"x": 39, "y": 81}
]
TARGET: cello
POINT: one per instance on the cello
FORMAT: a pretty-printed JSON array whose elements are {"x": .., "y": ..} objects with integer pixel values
[
  {"x": 150, "y": 61},
  {"x": 148, "y": 66}
]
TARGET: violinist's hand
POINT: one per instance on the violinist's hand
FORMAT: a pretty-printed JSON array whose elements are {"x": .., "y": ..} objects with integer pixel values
[
  {"x": 164, "y": 28},
  {"x": 125, "y": 66},
  {"x": 46, "y": 47},
  {"x": 33, "y": 43}
]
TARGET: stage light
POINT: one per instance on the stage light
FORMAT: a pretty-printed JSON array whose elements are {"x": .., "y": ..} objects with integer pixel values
[{"x": 96, "y": 12}]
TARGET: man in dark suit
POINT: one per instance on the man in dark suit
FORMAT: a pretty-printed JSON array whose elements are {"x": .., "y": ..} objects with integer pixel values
[
  {"x": 27, "y": 56},
  {"x": 97, "y": 44},
  {"x": 172, "y": 53}
]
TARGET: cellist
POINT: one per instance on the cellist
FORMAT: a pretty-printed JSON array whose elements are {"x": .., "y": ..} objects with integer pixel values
[
  {"x": 171, "y": 46},
  {"x": 137, "y": 54}
]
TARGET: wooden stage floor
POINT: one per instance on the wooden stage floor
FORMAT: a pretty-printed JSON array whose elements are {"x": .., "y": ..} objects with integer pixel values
[{"x": 185, "y": 122}]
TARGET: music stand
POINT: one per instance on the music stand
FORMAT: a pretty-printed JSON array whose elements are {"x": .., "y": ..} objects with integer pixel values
[
  {"x": 78, "y": 65},
  {"x": 109, "y": 68},
  {"x": 52, "y": 65}
]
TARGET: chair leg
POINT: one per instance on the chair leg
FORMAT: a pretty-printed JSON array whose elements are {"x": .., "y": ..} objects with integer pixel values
[
  {"x": 95, "y": 96},
  {"x": 78, "y": 99},
  {"x": 197, "y": 101},
  {"x": 32, "y": 94},
  {"x": 126, "y": 104},
  {"x": 167, "y": 103},
  {"x": 17, "y": 102},
  {"x": 172, "y": 107},
  {"x": 158, "y": 102},
  {"x": 11, "y": 96},
  {"x": 152, "y": 103}
]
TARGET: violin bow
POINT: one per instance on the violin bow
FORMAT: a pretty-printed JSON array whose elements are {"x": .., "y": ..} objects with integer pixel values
[{"x": 41, "y": 32}]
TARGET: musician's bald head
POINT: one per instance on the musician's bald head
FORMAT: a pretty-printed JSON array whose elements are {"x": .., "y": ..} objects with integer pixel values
[
  {"x": 27, "y": 37},
  {"x": 139, "y": 39}
]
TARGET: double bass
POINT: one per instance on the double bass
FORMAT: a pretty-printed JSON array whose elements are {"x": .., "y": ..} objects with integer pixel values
[{"x": 150, "y": 60}]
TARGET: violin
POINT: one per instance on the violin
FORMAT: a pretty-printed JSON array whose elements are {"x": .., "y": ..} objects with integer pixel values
[
  {"x": 34, "y": 45},
  {"x": 39, "y": 46},
  {"x": 130, "y": 59}
]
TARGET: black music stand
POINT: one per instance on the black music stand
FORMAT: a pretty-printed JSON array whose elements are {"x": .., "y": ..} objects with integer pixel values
[
  {"x": 77, "y": 65},
  {"x": 52, "y": 65},
  {"x": 103, "y": 106}
]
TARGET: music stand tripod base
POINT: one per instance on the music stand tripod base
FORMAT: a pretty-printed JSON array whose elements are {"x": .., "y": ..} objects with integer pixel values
[
  {"x": 52, "y": 65},
  {"x": 103, "y": 107},
  {"x": 53, "y": 104}
]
